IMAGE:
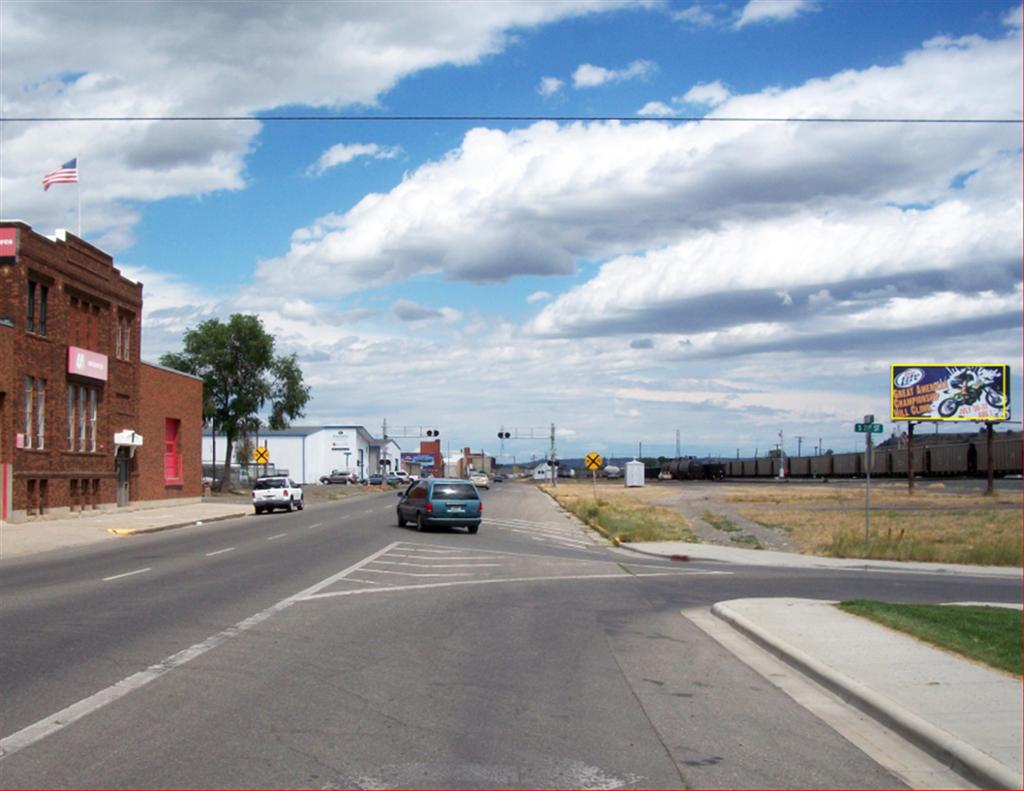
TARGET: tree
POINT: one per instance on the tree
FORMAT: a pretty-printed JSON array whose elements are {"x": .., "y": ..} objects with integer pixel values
[{"x": 240, "y": 377}]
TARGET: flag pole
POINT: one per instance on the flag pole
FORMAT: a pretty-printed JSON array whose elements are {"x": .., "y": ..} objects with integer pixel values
[{"x": 78, "y": 187}]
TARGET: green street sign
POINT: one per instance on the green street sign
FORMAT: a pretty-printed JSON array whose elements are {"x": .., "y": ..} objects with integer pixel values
[{"x": 868, "y": 428}]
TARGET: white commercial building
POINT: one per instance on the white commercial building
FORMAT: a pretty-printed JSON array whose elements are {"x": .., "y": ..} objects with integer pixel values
[{"x": 308, "y": 452}]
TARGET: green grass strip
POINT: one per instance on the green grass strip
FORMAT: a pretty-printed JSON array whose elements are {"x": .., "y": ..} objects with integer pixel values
[{"x": 991, "y": 635}]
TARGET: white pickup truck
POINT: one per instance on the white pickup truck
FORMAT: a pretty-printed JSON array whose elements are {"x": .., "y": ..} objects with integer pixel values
[{"x": 276, "y": 492}]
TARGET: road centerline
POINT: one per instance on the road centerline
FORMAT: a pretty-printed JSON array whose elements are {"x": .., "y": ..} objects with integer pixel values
[{"x": 127, "y": 574}]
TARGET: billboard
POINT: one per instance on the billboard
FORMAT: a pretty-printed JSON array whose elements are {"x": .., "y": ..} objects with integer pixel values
[{"x": 960, "y": 391}]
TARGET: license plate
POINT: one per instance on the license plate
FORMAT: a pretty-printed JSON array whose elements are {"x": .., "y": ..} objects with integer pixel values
[{"x": 456, "y": 509}]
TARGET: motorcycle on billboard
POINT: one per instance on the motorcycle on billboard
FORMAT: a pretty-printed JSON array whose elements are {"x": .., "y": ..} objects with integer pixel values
[{"x": 950, "y": 392}]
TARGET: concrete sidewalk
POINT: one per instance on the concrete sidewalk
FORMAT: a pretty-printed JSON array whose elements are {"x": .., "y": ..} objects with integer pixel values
[
  {"x": 762, "y": 557},
  {"x": 90, "y": 527},
  {"x": 963, "y": 714}
]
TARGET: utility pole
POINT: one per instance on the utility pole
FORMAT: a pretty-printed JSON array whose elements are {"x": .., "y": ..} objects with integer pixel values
[
  {"x": 678, "y": 449},
  {"x": 799, "y": 444},
  {"x": 551, "y": 461}
]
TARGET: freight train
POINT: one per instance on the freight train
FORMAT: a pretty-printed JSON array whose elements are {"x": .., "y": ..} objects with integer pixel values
[{"x": 967, "y": 457}]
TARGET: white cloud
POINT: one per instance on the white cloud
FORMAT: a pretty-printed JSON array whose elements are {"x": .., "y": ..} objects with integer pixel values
[
  {"x": 656, "y": 109},
  {"x": 589, "y": 76},
  {"x": 538, "y": 296},
  {"x": 538, "y": 199},
  {"x": 697, "y": 16},
  {"x": 758, "y": 11},
  {"x": 549, "y": 86},
  {"x": 712, "y": 93},
  {"x": 342, "y": 154},
  {"x": 322, "y": 55}
]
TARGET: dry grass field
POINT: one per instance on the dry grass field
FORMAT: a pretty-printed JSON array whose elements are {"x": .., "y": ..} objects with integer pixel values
[{"x": 934, "y": 524}]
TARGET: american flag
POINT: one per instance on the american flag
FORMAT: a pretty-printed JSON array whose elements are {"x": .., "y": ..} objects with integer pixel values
[{"x": 65, "y": 174}]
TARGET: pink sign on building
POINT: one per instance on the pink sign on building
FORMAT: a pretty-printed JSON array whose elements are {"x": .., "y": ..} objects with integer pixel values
[{"x": 86, "y": 363}]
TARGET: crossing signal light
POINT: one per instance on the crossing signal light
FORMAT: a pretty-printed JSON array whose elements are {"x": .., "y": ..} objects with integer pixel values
[
  {"x": 504, "y": 435},
  {"x": 433, "y": 432}
]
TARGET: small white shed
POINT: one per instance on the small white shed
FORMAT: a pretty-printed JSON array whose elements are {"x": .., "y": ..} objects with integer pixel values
[{"x": 634, "y": 473}]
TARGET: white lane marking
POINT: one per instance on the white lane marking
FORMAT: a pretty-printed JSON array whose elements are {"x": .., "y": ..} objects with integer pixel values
[
  {"x": 55, "y": 722},
  {"x": 440, "y": 565},
  {"x": 220, "y": 552},
  {"x": 366, "y": 582},
  {"x": 416, "y": 574},
  {"x": 617, "y": 576},
  {"x": 444, "y": 557},
  {"x": 316, "y": 525},
  {"x": 279, "y": 535},
  {"x": 126, "y": 574}
]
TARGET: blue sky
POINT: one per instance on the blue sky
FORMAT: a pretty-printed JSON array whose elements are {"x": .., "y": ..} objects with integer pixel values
[{"x": 621, "y": 280}]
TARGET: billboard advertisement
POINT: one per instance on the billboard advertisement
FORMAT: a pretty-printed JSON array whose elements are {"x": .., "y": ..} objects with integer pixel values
[{"x": 960, "y": 391}]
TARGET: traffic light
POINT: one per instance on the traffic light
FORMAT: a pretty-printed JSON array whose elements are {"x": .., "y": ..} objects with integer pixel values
[
  {"x": 504, "y": 435},
  {"x": 433, "y": 432}
]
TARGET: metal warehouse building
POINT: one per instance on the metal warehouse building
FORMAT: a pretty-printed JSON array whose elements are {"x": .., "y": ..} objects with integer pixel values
[{"x": 308, "y": 452}]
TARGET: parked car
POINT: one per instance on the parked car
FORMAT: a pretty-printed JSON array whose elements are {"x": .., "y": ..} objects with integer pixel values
[
  {"x": 276, "y": 492},
  {"x": 373, "y": 480},
  {"x": 441, "y": 502},
  {"x": 396, "y": 480},
  {"x": 480, "y": 479},
  {"x": 339, "y": 476},
  {"x": 498, "y": 477}
]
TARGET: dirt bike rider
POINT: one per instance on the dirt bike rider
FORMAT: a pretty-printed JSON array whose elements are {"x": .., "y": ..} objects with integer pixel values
[{"x": 967, "y": 384}]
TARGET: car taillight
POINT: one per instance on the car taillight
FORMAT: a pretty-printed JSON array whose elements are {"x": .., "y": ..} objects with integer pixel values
[
  {"x": 254, "y": 495},
  {"x": 430, "y": 507},
  {"x": 285, "y": 492},
  {"x": 480, "y": 507}
]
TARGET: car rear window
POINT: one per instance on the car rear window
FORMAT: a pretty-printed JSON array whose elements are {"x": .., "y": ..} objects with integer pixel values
[
  {"x": 456, "y": 491},
  {"x": 270, "y": 483}
]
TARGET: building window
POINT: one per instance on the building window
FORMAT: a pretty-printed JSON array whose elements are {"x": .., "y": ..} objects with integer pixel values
[
  {"x": 82, "y": 412},
  {"x": 35, "y": 321},
  {"x": 123, "y": 337},
  {"x": 34, "y": 427},
  {"x": 172, "y": 452},
  {"x": 30, "y": 309}
]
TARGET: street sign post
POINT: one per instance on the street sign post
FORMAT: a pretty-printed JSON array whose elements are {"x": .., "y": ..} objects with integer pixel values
[
  {"x": 593, "y": 462},
  {"x": 867, "y": 428},
  {"x": 261, "y": 455}
]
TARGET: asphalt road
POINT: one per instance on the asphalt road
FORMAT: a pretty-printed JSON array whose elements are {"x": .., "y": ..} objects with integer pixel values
[{"x": 330, "y": 648}]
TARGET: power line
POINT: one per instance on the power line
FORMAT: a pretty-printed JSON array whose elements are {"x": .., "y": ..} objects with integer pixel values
[{"x": 497, "y": 119}]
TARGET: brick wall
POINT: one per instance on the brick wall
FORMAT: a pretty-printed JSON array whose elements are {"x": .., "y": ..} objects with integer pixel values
[
  {"x": 163, "y": 395},
  {"x": 86, "y": 296}
]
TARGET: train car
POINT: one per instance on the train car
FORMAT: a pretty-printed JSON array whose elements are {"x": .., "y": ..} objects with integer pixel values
[
  {"x": 764, "y": 467},
  {"x": 899, "y": 460},
  {"x": 847, "y": 465},
  {"x": 1006, "y": 455},
  {"x": 736, "y": 468},
  {"x": 881, "y": 463},
  {"x": 959, "y": 459},
  {"x": 799, "y": 466},
  {"x": 821, "y": 466}
]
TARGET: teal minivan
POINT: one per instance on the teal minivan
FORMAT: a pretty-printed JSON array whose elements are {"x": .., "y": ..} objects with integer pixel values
[{"x": 441, "y": 502}]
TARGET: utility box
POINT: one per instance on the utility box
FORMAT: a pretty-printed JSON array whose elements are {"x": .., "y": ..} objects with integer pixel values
[{"x": 634, "y": 473}]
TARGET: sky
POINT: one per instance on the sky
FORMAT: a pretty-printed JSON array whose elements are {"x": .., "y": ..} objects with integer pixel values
[{"x": 626, "y": 219}]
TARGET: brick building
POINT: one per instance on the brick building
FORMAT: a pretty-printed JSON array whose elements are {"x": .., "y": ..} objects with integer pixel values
[{"x": 72, "y": 414}]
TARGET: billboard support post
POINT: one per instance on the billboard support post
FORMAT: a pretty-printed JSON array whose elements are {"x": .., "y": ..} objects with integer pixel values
[
  {"x": 991, "y": 488},
  {"x": 910, "y": 457}
]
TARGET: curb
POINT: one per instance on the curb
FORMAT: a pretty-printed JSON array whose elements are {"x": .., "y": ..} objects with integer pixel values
[
  {"x": 967, "y": 761},
  {"x": 134, "y": 531}
]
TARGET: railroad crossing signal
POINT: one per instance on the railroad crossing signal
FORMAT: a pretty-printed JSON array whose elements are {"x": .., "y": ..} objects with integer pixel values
[
  {"x": 261, "y": 455},
  {"x": 593, "y": 461}
]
